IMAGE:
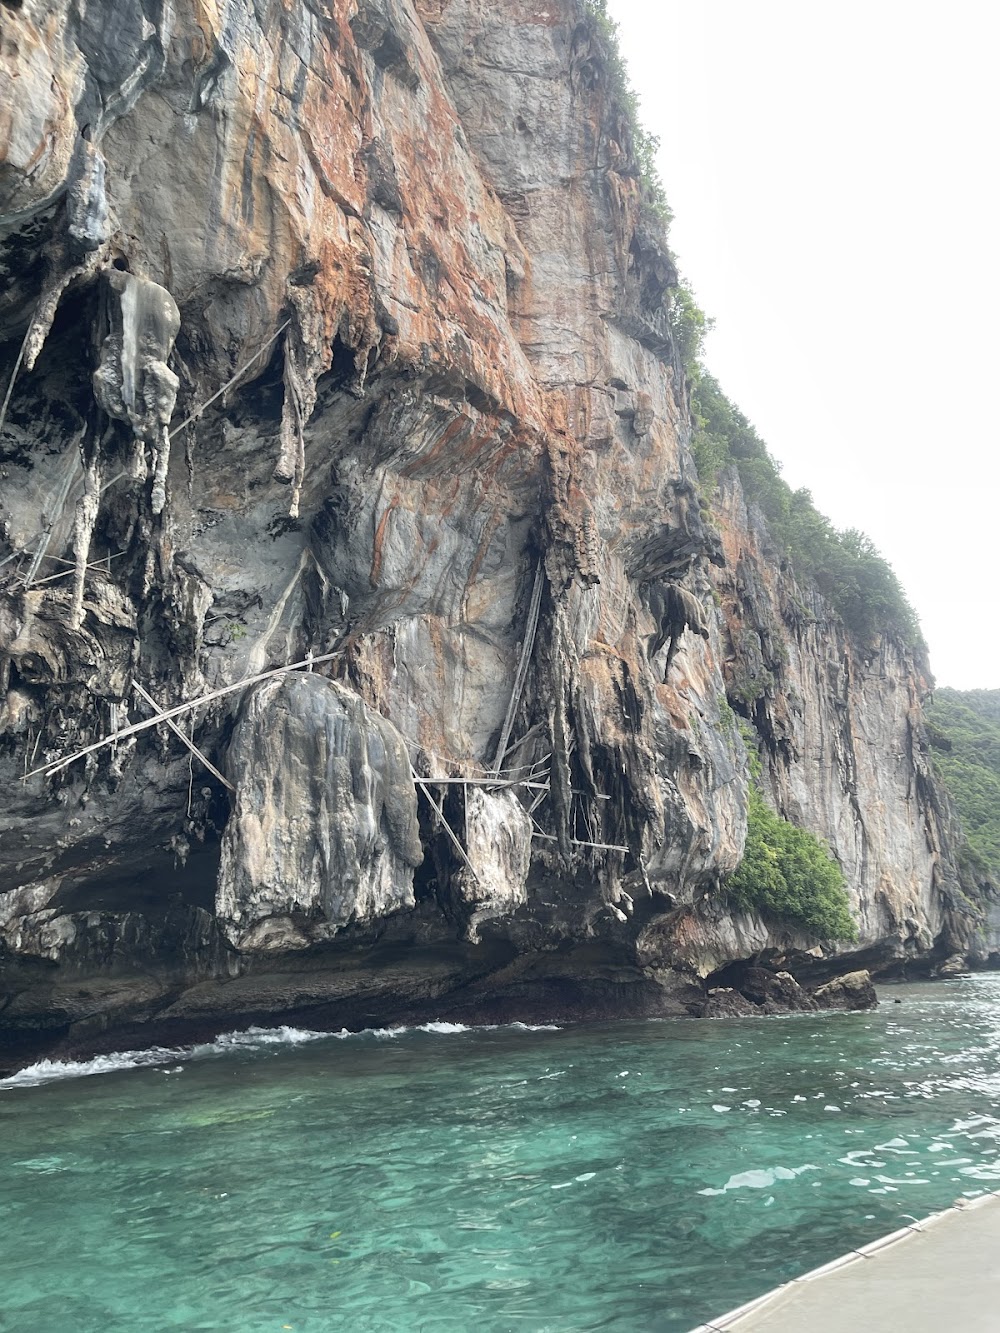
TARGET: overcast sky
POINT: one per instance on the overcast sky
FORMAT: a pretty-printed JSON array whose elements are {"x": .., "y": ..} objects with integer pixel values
[{"x": 833, "y": 173}]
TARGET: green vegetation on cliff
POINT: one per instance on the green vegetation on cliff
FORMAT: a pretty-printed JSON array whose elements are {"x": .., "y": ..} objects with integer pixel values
[
  {"x": 644, "y": 145},
  {"x": 787, "y": 874},
  {"x": 843, "y": 565},
  {"x": 963, "y": 727}
]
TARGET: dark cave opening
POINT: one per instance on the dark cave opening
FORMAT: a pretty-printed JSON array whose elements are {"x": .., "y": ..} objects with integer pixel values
[{"x": 148, "y": 882}]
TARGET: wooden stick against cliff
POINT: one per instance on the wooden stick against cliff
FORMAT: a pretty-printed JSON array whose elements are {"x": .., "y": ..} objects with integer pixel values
[
  {"x": 177, "y": 711},
  {"x": 228, "y": 384},
  {"x": 144, "y": 694},
  {"x": 522, "y": 666},
  {"x": 13, "y": 373},
  {"x": 463, "y": 854}
]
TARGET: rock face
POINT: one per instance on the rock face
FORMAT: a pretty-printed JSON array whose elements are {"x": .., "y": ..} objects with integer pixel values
[
  {"x": 324, "y": 823},
  {"x": 342, "y": 331}
]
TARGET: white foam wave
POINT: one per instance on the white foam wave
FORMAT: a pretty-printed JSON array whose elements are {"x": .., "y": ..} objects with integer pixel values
[
  {"x": 45, "y": 1071},
  {"x": 281, "y": 1036},
  {"x": 253, "y": 1038},
  {"x": 446, "y": 1028}
]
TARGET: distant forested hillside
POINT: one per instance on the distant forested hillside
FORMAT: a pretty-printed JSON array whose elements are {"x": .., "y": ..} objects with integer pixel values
[{"x": 964, "y": 731}]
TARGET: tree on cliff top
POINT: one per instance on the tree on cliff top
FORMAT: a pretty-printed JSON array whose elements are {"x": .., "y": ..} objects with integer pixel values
[
  {"x": 644, "y": 145},
  {"x": 844, "y": 566}
]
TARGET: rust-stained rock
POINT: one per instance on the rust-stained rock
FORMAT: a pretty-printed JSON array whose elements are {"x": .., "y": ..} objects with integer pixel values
[{"x": 346, "y": 335}]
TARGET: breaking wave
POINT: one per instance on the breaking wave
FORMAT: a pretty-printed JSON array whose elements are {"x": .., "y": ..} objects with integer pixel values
[{"x": 253, "y": 1038}]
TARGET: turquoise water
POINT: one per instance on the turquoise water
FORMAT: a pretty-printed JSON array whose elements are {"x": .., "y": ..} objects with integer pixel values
[{"x": 640, "y": 1176}]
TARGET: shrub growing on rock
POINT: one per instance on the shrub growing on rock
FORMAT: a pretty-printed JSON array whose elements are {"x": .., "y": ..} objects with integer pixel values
[{"x": 788, "y": 874}]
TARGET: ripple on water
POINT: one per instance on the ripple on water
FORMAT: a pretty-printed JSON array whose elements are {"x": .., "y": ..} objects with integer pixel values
[{"x": 639, "y": 1175}]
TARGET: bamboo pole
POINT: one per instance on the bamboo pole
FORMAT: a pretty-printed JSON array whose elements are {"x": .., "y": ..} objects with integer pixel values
[
  {"x": 46, "y": 536},
  {"x": 14, "y": 372},
  {"x": 463, "y": 854},
  {"x": 228, "y": 384},
  {"x": 178, "y": 710},
  {"x": 530, "y": 627},
  {"x": 578, "y": 842},
  {"x": 144, "y": 694}
]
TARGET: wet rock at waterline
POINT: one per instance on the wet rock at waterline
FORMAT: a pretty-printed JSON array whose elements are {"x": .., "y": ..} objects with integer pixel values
[
  {"x": 761, "y": 992},
  {"x": 854, "y": 990}
]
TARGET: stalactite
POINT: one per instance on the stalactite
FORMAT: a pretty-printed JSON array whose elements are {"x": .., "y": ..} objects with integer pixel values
[
  {"x": 83, "y": 530},
  {"x": 675, "y": 610},
  {"x": 161, "y": 463},
  {"x": 300, "y": 376},
  {"x": 87, "y": 212},
  {"x": 133, "y": 381},
  {"x": 48, "y": 304}
]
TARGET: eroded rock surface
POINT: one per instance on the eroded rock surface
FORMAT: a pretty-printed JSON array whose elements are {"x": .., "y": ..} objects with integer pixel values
[
  {"x": 854, "y": 990},
  {"x": 344, "y": 331},
  {"x": 324, "y": 824}
]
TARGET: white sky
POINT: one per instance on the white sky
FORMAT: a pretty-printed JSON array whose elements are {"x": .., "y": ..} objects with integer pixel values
[{"x": 833, "y": 170}]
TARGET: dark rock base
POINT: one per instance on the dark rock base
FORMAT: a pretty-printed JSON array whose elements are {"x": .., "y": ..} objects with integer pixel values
[{"x": 59, "y": 1012}]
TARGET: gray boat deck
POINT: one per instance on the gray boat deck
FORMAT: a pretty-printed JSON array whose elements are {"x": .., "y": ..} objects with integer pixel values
[{"x": 941, "y": 1274}]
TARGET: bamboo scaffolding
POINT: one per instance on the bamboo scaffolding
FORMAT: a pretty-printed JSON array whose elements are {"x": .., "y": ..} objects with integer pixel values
[
  {"x": 528, "y": 643},
  {"x": 494, "y": 783},
  {"x": 578, "y": 842},
  {"x": 65, "y": 573},
  {"x": 514, "y": 746},
  {"x": 483, "y": 769},
  {"x": 57, "y": 765},
  {"x": 533, "y": 784},
  {"x": 537, "y": 801},
  {"x": 144, "y": 694},
  {"x": 463, "y": 854}
]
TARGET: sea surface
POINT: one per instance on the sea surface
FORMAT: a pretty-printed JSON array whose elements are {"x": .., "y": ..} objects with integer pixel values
[{"x": 636, "y": 1176}]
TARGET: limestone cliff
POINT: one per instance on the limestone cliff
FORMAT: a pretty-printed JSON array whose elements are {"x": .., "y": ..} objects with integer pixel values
[{"x": 340, "y": 331}]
